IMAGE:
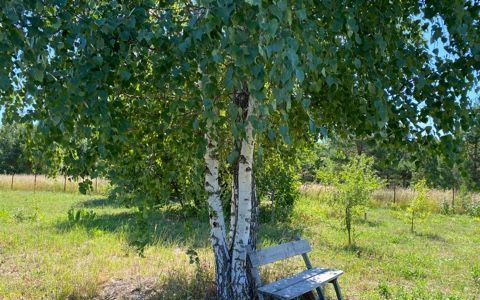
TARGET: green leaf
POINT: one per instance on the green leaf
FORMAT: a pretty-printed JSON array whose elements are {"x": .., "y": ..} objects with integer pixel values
[
  {"x": 232, "y": 156},
  {"x": 371, "y": 88},
  {"x": 125, "y": 75},
  {"x": 300, "y": 75},
  {"x": 357, "y": 62},
  {"x": 306, "y": 103},
  {"x": 4, "y": 82},
  {"x": 330, "y": 80},
  {"x": 312, "y": 126},
  {"x": 195, "y": 124},
  {"x": 253, "y": 2},
  {"x": 37, "y": 74},
  {"x": 301, "y": 14}
]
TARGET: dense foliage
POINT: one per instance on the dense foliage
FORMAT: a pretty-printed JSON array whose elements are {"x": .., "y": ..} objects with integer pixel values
[
  {"x": 13, "y": 154},
  {"x": 117, "y": 74}
]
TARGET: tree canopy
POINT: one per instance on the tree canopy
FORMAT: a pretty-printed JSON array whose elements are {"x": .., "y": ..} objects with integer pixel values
[{"x": 96, "y": 70}]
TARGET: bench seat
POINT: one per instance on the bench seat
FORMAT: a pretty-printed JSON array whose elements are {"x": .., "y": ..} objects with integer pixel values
[
  {"x": 312, "y": 279},
  {"x": 299, "y": 284}
]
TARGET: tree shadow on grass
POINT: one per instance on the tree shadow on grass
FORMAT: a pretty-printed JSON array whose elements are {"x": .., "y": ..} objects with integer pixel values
[
  {"x": 361, "y": 251},
  {"x": 369, "y": 223},
  {"x": 431, "y": 236},
  {"x": 160, "y": 227},
  {"x": 166, "y": 226},
  {"x": 98, "y": 203}
]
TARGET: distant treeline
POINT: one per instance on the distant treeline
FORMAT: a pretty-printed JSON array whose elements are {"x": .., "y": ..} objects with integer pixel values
[
  {"x": 402, "y": 167},
  {"x": 283, "y": 170},
  {"x": 14, "y": 154}
]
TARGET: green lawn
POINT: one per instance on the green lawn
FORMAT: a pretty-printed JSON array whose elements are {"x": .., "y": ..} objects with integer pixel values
[{"x": 44, "y": 254}]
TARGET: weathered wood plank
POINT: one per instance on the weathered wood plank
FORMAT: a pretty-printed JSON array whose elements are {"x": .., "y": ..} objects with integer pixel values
[
  {"x": 308, "y": 284},
  {"x": 271, "y": 254},
  {"x": 286, "y": 282},
  {"x": 255, "y": 273}
]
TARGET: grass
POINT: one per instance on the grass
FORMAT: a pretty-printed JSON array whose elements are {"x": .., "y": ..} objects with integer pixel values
[{"x": 44, "y": 254}]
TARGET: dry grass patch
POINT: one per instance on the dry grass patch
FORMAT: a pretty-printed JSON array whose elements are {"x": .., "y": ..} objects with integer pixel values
[{"x": 29, "y": 182}]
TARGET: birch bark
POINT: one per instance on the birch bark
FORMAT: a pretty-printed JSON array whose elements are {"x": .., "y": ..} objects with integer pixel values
[
  {"x": 240, "y": 286},
  {"x": 217, "y": 221}
]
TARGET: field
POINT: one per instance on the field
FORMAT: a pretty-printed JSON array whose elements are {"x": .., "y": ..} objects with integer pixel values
[{"x": 46, "y": 252}]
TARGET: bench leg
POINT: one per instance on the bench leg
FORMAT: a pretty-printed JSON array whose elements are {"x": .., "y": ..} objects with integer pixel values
[
  {"x": 320, "y": 293},
  {"x": 337, "y": 289},
  {"x": 308, "y": 296}
]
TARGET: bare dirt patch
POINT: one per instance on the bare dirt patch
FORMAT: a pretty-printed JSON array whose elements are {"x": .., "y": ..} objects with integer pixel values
[{"x": 128, "y": 289}]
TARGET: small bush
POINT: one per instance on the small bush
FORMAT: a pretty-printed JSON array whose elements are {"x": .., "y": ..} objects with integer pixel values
[
  {"x": 22, "y": 215},
  {"x": 445, "y": 208},
  {"x": 80, "y": 215},
  {"x": 277, "y": 184},
  {"x": 384, "y": 290},
  {"x": 473, "y": 209}
]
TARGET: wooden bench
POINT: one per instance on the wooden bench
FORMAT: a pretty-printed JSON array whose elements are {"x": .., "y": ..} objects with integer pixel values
[{"x": 294, "y": 286}]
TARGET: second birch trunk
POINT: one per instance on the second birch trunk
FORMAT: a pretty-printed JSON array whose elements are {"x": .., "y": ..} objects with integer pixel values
[{"x": 240, "y": 286}]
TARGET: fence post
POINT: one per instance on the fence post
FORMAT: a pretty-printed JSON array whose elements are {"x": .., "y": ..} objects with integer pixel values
[
  {"x": 64, "y": 183},
  {"x": 34, "y": 183},
  {"x": 453, "y": 199},
  {"x": 11, "y": 185},
  {"x": 394, "y": 193}
]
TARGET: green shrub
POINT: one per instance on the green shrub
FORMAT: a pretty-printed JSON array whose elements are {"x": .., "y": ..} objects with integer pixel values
[
  {"x": 384, "y": 290},
  {"x": 278, "y": 181},
  {"x": 445, "y": 208},
  {"x": 473, "y": 209},
  {"x": 80, "y": 215},
  {"x": 22, "y": 215}
]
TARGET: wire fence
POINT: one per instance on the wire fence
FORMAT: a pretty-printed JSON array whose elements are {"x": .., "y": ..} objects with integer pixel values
[{"x": 32, "y": 182}]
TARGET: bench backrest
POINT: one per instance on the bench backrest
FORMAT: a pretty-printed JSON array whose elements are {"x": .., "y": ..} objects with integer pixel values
[
  {"x": 271, "y": 254},
  {"x": 275, "y": 253}
]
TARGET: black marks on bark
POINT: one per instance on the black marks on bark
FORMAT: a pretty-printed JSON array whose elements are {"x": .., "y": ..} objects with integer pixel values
[
  {"x": 207, "y": 170},
  {"x": 242, "y": 159}
]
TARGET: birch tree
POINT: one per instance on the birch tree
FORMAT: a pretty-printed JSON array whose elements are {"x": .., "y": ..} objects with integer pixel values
[{"x": 123, "y": 77}]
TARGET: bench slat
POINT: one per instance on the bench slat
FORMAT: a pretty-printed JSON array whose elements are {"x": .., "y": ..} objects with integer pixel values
[
  {"x": 286, "y": 282},
  {"x": 271, "y": 254},
  {"x": 309, "y": 284}
]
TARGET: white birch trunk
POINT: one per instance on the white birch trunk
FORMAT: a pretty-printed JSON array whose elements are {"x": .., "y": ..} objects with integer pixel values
[
  {"x": 244, "y": 211},
  {"x": 233, "y": 207},
  {"x": 217, "y": 221}
]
